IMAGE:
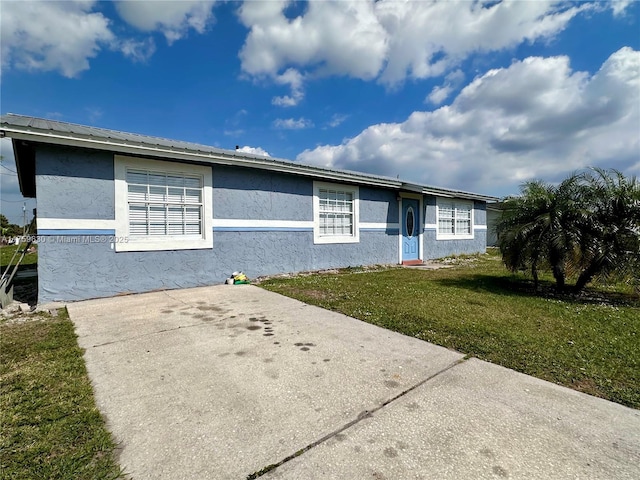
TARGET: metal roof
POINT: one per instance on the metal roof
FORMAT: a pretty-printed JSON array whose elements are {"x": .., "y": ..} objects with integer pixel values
[{"x": 39, "y": 130}]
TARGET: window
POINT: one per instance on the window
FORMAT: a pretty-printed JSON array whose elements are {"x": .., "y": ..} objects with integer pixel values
[
  {"x": 162, "y": 205},
  {"x": 335, "y": 209},
  {"x": 455, "y": 219}
]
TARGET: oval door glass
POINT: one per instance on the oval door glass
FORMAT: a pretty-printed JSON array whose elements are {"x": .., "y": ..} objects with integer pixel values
[{"x": 409, "y": 222}]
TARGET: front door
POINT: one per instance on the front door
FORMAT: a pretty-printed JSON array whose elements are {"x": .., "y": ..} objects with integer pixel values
[{"x": 410, "y": 225}]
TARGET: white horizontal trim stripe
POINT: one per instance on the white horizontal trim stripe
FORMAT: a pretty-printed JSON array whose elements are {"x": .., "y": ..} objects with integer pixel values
[
  {"x": 430, "y": 226},
  {"x": 479, "y": 227},
  {"x": 94, "y": 224},
  {"x": 379, "y": 226},
  {"x": 241, "y": 223},
  {"x": 75, "y": 224}
]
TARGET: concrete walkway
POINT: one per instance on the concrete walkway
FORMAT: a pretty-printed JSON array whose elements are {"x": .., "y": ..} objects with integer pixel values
[{"x": 229, "y": 381}]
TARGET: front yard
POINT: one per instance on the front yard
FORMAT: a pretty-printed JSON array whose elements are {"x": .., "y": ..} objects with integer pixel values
[
  {"x": 589, "y": 343},
  {"x": 50, "y": 426}
]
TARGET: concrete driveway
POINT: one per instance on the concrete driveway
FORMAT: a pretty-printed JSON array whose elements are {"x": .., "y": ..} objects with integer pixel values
[{"x": 226, "y": 382}]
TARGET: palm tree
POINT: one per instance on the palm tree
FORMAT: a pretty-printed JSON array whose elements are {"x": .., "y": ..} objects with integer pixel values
[
  {"x": 588, "y": 226},
  {"x": 611, "y": 240},
  {"x": 537, "y": 228}
]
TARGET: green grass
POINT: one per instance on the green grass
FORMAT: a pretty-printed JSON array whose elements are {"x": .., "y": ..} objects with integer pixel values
[
  {"x": 590, "y": 343},
  {"x": 7, "y": 251},
  {"x": 50, "y": 425}
]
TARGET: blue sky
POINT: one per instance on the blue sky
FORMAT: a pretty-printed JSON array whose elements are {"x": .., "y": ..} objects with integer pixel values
[{"x": 477, "y": 96}]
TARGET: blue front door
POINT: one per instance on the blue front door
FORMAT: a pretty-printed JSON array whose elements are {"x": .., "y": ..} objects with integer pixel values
[{"x": 410, "y": 229}]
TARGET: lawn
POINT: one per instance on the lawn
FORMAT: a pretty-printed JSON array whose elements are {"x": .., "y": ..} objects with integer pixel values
[
  {"x": 49, "y": 423},
  {"x": 7, "y": 251},
  {"x": 590, "y": 343}
]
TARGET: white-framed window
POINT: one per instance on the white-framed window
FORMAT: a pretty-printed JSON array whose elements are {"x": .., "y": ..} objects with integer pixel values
[
  {"x": 335, "y": 213},
  {"x": 162, "y": 205},
  {"x": 454, "y": 219}
]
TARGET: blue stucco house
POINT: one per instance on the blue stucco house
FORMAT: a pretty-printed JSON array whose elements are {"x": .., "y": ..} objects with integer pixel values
[{"x": 120, "y": 213}]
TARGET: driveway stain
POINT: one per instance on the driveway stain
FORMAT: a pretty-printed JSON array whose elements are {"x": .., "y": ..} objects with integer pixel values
[
  {"x": 304, "y": 346},
  {"x": 390, "y": 452},
  {"x": 501, "y": 472}
]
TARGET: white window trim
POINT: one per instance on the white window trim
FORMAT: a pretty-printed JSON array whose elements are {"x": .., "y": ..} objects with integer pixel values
[
  {"x": 323, "y": 239},
  {"x": 450, "y": 236},
  {"x": 126, "y": 243}
]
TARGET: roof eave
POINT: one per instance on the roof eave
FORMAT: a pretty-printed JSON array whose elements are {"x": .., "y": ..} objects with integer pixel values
[
  {"x": 30, "y": 134},
  {"x": 458, "y": 194},
  {"x": 213, "y": 158}
]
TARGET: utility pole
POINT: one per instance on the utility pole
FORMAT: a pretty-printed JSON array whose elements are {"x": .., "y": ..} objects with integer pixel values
[{"x": 24, "y": 219}]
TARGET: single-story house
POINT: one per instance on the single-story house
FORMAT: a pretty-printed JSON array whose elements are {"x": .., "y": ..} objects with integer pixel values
[{"x": 120, "y": 212}]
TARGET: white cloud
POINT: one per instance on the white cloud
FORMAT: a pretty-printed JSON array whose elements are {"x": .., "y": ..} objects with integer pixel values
[
  {"x": 47, "y": 36},
  {"x": 234, "y": 133},
  {"x": 389, "y": 40},
  {"x": 94, "y": 113},
  {"x": 138, "y": 50},
  {"x": 63, "y": 36},
  {"x": 619, "y": 7},
  {"x": 337, "y": 37},
  {"x": 253, "y": 150},
  {"x": 173, "y": 18},
  {"x": 337, "y": 119},
  {"x": 440, "y": 93},
  {"x": 293, "y": 78},
  {"x": 426, "y": 39},
  {"x": 292, "y": 123},
  {"x": 536, "y": 118}
]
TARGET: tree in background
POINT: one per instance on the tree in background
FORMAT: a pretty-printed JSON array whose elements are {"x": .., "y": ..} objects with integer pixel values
[
  {"x": 9, "y": 229},
  {"x": 587, "y": 227}
]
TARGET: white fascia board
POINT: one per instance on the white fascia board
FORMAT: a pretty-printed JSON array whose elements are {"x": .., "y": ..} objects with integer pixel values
[
  {"x": 454, "y": 194},
  {"x": 169, "y": 153}
]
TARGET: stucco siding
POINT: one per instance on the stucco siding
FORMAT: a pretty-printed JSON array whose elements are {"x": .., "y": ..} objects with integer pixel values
[
  {"x": 76, "y": 268},
  {"x": 443, "y": 248},
  {"x": 74, "y": 183},
  {"x": 479, "y": 213},
  {"x": 72, "y": 268},
  {"x": 429, "y": 210},
  {"x": 243, "y": 193},
  {"x": 262, "y": 225},
  {"x": 378, "y": 206}
]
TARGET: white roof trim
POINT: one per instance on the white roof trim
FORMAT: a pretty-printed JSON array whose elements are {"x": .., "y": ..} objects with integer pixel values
[
  {"x": 35, "y": 134},
  {"x": 122, "y": 147}
]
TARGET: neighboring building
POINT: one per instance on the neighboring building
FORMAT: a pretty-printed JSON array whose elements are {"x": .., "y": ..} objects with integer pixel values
[
  {"x": 493, "y": 215},
  {"x": 121, "y": 213}
]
